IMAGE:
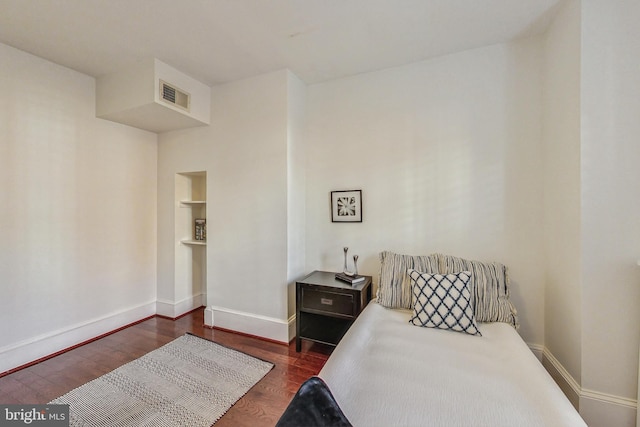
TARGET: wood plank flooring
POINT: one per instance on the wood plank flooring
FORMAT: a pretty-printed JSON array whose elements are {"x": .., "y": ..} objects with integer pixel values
[{"x": 261, "y": 406}]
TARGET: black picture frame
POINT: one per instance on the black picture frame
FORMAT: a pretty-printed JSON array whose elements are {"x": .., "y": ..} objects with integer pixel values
[{"x": 346, "y": 206}]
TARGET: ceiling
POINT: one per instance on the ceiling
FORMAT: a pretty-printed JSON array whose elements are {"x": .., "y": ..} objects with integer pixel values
[{"x": 217, "y": 41}]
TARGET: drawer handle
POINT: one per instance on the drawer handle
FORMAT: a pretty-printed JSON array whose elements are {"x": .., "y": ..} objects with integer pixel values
[{"x": 326, "y": 301}]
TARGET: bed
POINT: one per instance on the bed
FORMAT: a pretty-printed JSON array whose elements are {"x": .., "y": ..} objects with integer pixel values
[
  {"x": 389, "y": 370},
  {"x": 386, "y": 372}
]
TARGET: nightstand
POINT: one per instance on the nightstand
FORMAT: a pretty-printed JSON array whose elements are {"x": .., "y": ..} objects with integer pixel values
[{"x": 326, "y": 307}]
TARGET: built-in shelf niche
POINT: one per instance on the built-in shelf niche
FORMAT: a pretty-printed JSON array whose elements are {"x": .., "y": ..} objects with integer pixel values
[
  {"x": 191, "y": 254},
  {"x": 191, "y": 189}
]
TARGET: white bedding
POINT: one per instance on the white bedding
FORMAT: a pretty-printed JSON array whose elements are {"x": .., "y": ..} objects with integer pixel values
[{"x": 386, "y": 372}]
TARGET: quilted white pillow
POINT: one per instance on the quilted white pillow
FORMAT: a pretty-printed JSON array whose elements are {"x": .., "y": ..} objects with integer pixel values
[{"x": 443, "y": 301}]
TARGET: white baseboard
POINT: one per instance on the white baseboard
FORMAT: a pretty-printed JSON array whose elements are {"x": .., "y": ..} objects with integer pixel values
[
  {"x": 176, "y": 309},
  {"x": 604, "y": 410},
  {"x": 597, "y": 409},
  {"x": 562, "y": 377},
  {"x": 292, "y": 327},
  {"x": 537, "y": 350},
  {"x": 32, "y": 349},
  {"x": 249, "y": 323}
]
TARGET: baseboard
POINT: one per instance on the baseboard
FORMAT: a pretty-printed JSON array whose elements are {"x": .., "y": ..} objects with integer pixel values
[
  {"x": 248, "y": 323},
  {"x": 597, "y": 409},
  {"x": 562, "y": 377},
  {"x": 601, "y": 409},
  {"x": 292, "y": 327},
  {"x": 174, "y": 310},
  {"x": 38, "y": 347},
  {"x": 537, "y": 350}
]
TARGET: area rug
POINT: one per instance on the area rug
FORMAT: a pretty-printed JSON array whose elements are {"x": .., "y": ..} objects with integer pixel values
[{"x": 188, "y": 382}]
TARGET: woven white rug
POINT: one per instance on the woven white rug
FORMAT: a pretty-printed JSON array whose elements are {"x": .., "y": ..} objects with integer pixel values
[{"x": 187, "y": 382}]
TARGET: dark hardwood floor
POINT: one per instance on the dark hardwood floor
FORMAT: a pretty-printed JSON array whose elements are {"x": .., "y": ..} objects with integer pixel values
[{"x": 261, "y": 406}]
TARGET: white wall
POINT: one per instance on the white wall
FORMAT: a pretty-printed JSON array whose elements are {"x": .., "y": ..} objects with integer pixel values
[
  {"x": 448, "y": 155},
  {"x": 296, "y": 187},
  {"x": 592, "y": 227},
  {"x": 77, "y": 213},
  {"x": 244, "y": 152},
  {"x": 561, "y": 177},
  {"x": 610, "y": 178},
  {"x": 181, "y": 151}
]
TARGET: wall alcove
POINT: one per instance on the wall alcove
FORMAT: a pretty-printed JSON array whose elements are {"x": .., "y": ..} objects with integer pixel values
[{"x": 190, "y": 244}]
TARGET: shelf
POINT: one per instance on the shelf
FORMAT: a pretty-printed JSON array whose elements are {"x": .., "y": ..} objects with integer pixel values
[
  {"x": 323, "y": 329},
  {"x": 194, "y": 242},
  {"x": 193, "y": 202}
]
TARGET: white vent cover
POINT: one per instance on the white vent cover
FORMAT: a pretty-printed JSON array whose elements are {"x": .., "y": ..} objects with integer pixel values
[{"x": 174, "y": 96}]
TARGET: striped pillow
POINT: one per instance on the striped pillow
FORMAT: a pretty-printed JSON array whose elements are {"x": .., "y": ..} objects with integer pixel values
[
  {"x": 394, "y": 284},
  {"x": 489, "y": 288}
]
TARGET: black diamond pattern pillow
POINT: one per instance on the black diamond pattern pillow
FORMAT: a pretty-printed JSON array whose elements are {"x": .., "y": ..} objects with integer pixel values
[{"x": 443, "y": 301}]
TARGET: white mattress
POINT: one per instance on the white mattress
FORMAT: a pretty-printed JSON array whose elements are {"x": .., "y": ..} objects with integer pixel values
[{"x": 386, "y": 372}]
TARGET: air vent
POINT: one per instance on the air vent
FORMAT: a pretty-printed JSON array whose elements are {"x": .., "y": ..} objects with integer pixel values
[{"x": 174, "y": 96}]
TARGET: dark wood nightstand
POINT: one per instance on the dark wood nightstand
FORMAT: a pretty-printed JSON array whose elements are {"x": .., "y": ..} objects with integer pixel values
[{"x": 326, "y": 307}]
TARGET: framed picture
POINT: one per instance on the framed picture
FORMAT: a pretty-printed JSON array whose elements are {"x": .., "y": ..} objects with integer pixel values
[{"x": 346, "y": 206}]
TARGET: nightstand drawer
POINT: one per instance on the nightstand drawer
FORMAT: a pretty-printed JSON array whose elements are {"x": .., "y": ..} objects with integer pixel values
[{"x": 329, "y": 302}]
